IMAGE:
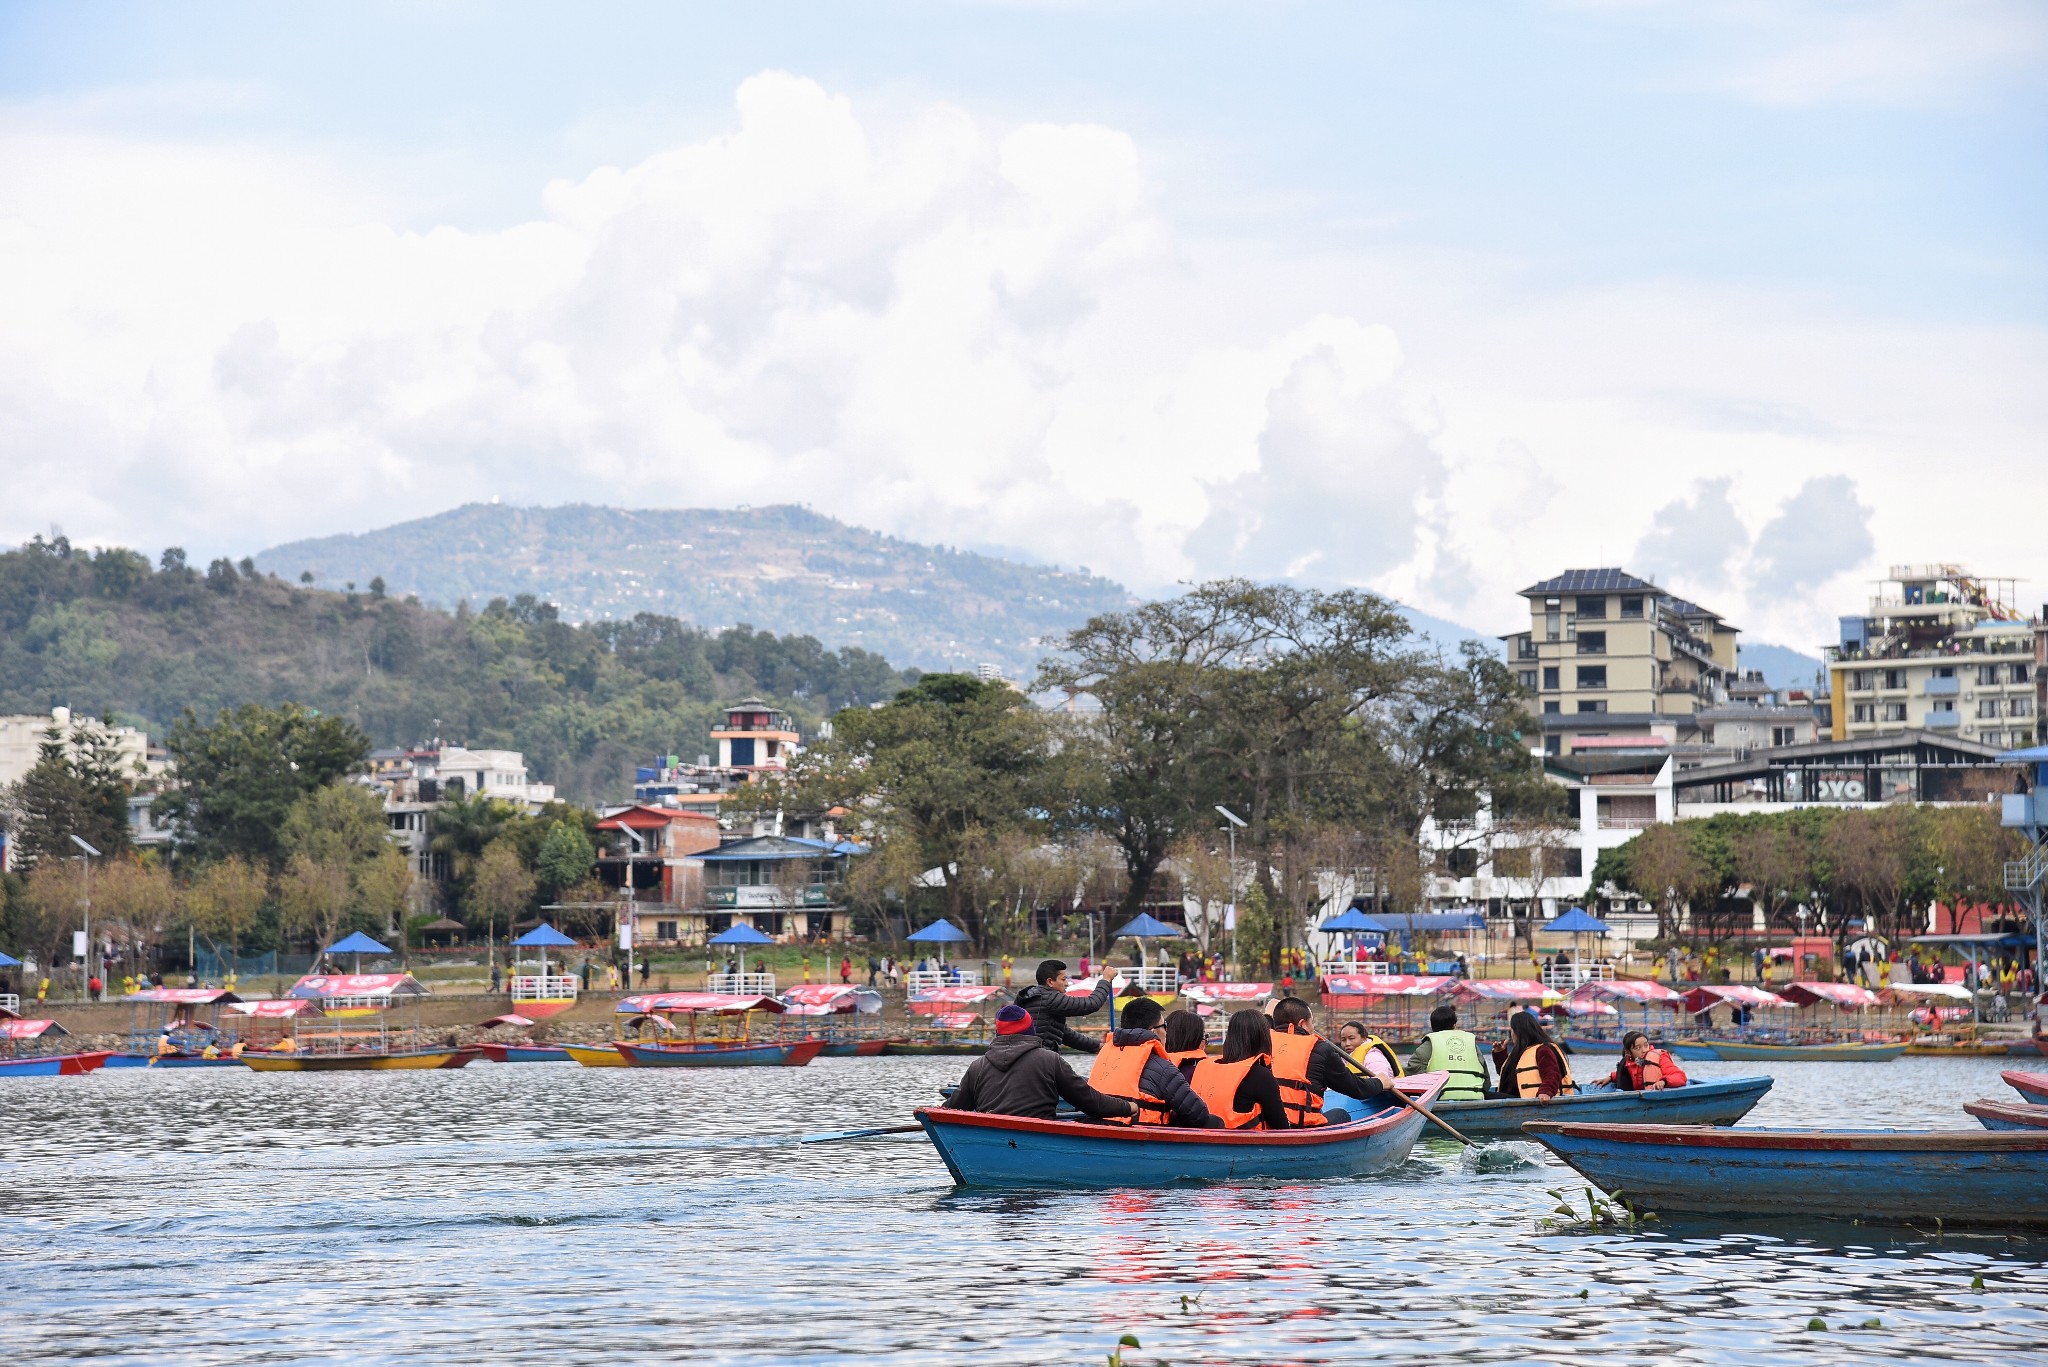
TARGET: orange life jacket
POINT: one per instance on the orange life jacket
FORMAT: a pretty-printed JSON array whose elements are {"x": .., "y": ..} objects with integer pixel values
[
  {"x": 1120, "y": 1071},
  {"x": 1216, "y": 1082},
  {"x": 1290, "y": 1069},
  {"x": 1665, "y": 1068},
  {"x": 1179, "y": 1056},
  {"x": 1529, "y": 1080}
]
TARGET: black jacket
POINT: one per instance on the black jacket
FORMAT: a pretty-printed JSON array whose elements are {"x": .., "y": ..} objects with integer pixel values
[
  {"x": 1021, "y": 1075},
  {"x": 1163, "y": 1080},
  {"x": 1049, "y": 1011}
]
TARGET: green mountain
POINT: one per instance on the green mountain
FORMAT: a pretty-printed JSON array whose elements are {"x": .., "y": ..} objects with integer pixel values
[
  {"x": 784, "y": 567},
  {"x": 108, "y": 634}
]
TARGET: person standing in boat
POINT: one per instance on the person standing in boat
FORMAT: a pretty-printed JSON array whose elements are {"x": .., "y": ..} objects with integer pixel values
[
  {"x": 1530, "y": 1066},
  {"x": 1051, "y": 1006},
  {"x": 1240, "y": 1088},
  {"x": 1135, "y": 1065},
  {"x": 1454, "y": 1051},
  {"x": 1022, "y": 1075},
  {"x": 1309, "y": 1066}
]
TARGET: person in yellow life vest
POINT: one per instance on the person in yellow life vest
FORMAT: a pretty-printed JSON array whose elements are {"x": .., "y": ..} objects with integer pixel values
[
  {"x": 1239, "y": 1088},
  {"x": 1369, "y": 1051},
  {"x": 1134, "y": 1065},
  {"x": 42, "y": 991},
  {"x": 164, "y": 1046},
  {"x": 209, "y": 1052},
  {"x": 1531, "y": 1066},
  {"x": 287, "y": 1045},
  {"x": 128, "y": 984},
  {"x": 235, "y": 1049},
  {"x": 1307, "y": 1066},
  {"x": 1186, "y": 1042},
  {"x": 1448, "y": 1049}
]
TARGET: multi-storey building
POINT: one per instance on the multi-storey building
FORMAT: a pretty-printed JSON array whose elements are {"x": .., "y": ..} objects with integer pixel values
[
  {"x": 1939, "y": 650},
  {"x": 22, "y": 738},
  {"x": 1608, "y": 654}
]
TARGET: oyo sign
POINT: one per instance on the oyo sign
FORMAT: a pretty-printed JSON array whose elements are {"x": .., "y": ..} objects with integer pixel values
[{"x": 1838, "y": 787}]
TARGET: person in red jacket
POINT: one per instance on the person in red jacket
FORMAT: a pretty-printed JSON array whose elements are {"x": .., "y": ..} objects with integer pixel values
[{"x": 1644, "y": 1068}]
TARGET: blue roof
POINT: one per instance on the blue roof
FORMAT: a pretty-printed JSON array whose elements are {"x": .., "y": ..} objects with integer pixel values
[
  {"x": 358, "y": 943},
  {"x": 8, "y": 961},
  {"x": 741, "y": 934},
  {"x": 1436, "y": 921},
  {"x": 1146, "y": 926},
  {"x": 1577, "y": 921},
  {"x": 545, "y": 936},
  {"x": 940, "y": 931},
  {"x": 1351, "y": 918},
  {"x": 2035, "y": 754}
]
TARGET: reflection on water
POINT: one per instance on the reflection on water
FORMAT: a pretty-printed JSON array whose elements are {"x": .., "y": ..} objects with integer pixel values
[{"x": 553, "y": 1214}]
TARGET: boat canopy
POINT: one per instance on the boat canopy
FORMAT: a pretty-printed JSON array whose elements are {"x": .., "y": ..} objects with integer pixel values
[
  {"x": 1384, "y": 984},
  {"x": 1587, "y": 1006},
  {"x": 1503, "y": 990},
  {"x": 1226, "y": 992},
  {"x": 1730, "y": 994},
  {"x": 184, "y": 996},
  {"x": 1625, "y": 989},
  {"x": 363, "y": 986},
  {"x": 955, "y": 1020},
  {"x": 29, "y": 1029},
  {"x": 1955, "y": 990},
  {"x": 832, "y": 999},
  {"x": 935, "y": 1001},
  {"x": 509, "y": 1018},
  {"x": 1841, "y": 994},
  {"x": 694, "y": 1004},
  {"x": 277, "y": 1008}
]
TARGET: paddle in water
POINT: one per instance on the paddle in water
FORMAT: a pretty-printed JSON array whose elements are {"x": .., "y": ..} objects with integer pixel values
[
  {"x": 1406, "y": 1100},
  {"x": 834, "y": 1136}
]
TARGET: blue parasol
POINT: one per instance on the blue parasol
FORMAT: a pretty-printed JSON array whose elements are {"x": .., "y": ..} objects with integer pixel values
[
  {"x": 358, "y": 944},
  {"x": 1146, "y": 926},
  {"x": 941, "y": 933},
  {"x": 741, "y": 934},
  {"x": 544, "y": 937},
  {"x": 9, "y": 961},
  {"x": 1352, "y": 919}
]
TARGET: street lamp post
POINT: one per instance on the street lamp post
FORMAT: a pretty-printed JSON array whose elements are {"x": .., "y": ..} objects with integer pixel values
[
  {"x": 1230, "y": 906},
  {"x": 85, "y": 858}
]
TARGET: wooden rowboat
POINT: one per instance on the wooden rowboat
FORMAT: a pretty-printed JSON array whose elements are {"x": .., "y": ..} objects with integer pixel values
[
  {"x": 596, "y": 1055},
  {"x": 368, "y": 1061},
  {"x": 1014, "y": 1151},
  {"x": 923, "y": 1049},
  {"x": 859, "y": 1048},
  {"x": 54, "y": 1065},
  {"x": 2032, "y": 1086},
  {"x": 1715, "y": 1101},
  {"x": 497, "y": 1052},
  {"x": 764, "y": 1055},
  {"x": 1736, "y": 1052},
  {"x": 1999, "y": 1050},
  {"x": 2008, "y": 1115},
  {"x": 1686, "y": 1051},
  {"x": 161, "y": 1061},
  {"x": 1955, "y": 1176}
]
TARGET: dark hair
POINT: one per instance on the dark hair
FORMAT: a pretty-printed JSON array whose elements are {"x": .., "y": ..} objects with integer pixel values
[
  {"x": 1049, "y": 970},
  {"x": 1183, "y": 1031},
  {"x": 1248, "y": 1036},
  {"x": 1359, "y": 1026},
  {"x": 1527, "y": 1028},
  {"x": 1290, "y": 1011},
  {"x": 1445, "y": 1017},
  {"x": 1630, "y": 1038},
  {"x": 1142, "y": 1013}
]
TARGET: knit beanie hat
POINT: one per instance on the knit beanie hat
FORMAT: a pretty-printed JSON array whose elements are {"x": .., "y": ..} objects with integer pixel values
[{"x": 1012, "y": 1020}]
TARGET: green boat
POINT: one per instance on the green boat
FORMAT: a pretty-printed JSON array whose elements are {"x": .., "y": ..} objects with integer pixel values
[{"x": 1730, "y": 1051}]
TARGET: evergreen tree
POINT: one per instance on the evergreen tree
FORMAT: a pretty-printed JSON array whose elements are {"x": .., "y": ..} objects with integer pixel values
[{"x": 565, "y": 859}]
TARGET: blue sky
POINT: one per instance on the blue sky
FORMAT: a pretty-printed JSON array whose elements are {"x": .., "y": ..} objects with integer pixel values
[{"x": 1419, "y": 296}]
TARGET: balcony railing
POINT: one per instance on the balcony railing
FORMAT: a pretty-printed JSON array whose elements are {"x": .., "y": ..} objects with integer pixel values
[
  {"x": 1941, "y": 721},
  {"x": 533, "y": 987},
  {"x": 741, "y": 984},
  {"x": 10, "y": 1003},
  {"x": 1627, "y": 823},
  {"x": 1941, "y": 688},
  {"x": 918, "y": 980},
  {"x": 1565, "y": 977}
]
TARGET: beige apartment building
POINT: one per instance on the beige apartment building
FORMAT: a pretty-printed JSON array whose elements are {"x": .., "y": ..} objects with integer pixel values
[
  {"x": 1939, "y": 650},
  {"x": 1608, "y": 654}
]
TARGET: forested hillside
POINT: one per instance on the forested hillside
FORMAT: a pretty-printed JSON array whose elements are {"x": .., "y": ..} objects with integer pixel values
[{"x": 108, "y": 632}]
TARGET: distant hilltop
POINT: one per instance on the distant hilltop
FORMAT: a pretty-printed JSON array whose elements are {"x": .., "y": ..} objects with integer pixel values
[{"x": 781, "y": 568}]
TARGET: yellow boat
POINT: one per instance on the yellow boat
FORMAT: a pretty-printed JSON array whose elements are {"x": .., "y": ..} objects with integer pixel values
[
  {"x": 596, "y": 1055},
  {"x": 1959, "y": 1050},
  {"x": 367, "y": 1061}
]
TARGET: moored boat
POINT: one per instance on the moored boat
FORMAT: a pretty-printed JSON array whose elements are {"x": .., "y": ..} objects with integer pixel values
[
  {"x": 502, "y": 1051},
  {"x": 1748, "y": 1051},
  {"x": 596, "y": 1055},
  {"x": 733, "y": 1046},
  {"x": 1716, "y": 1101},
  {"x": 53, "y": 1065},
  {"x": 1955, "y": 1049},
  {"x": 982, "y": 1150},
  {"x": 2008, "y": 1115},
  {"x": 768, "y": 1054},
  {"x": 26, "y": 1050},
  {"x": 366, "y": 1061},
  {"x": 1955, "y": 1176},
  {"x": 2032, "y": 1086},
  {"x": 350, "y": 1029}
]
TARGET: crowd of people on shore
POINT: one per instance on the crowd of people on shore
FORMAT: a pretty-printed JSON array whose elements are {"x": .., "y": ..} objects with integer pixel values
[{"x": 1274, "y": 1072}]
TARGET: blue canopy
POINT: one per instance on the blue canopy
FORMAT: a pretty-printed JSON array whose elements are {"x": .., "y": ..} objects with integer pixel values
[
  {"x": 942, "y": 932},
  {"x": 1146, "y": 926},
  {"x": 1351, "y": 918},
  {"x": 741, "y": 934},
  {"x": 8, "y": 961},
  {"x": 1434, "y": 922},
  {"x": 545, "y": 936},
  {"x": 1577, "y": 921},
  {"x": 358, "y": 943}
]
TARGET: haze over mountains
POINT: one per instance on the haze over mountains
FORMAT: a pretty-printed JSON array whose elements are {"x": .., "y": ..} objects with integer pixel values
[{"x": 782, "y": 568}]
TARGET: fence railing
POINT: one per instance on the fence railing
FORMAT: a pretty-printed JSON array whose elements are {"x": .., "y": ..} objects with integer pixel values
[
  {"x": 917, "y": 980},
  {"x": 1154, "y": 979},
  {"x": 1353, "y": 968},
  {"x": 1565, "y": 976},
  {"x": 2022, "y": 874},
  {"x": 532, "y": 987},
  {"x": 742, "y": 984},
  {"x": 9, "y": 1002}
]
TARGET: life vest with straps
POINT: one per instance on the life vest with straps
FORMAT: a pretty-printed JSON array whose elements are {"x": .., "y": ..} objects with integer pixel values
[
  {"x": 1290, "y": 1069},
  {"x": 1216, "y": 1082},
  {"x": 1120, "y": 1071},
  {"x": 1528, "y": 1079},
  {"x": 1374, "y": 1044},
  {"x": 1657, "y": 1065},
  {"x": 1456, "y": 1052}
]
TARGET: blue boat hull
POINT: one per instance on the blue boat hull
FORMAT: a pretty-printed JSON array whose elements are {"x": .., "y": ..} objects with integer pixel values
[
  {"x": 2008, "y": 1115},
  {"x": 53, "y": 1065},
  {"x": 1720, "y": 1101},
  {"x": 172, "y": 1061},
  {"x": 1956, "y": 1176},
  {"x": 1012, "y": 1151},
  {"x": 794, "y": 1055}
]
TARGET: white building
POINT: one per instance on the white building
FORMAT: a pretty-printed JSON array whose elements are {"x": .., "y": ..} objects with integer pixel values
[{"x": 22, "y": 737}]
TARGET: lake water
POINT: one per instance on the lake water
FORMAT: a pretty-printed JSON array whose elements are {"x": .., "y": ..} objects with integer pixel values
[{"x": 552, "y": 1214}]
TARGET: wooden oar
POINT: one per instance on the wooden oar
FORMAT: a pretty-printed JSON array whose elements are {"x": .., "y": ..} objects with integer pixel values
[
  {"x": 1406, "y": 1100},
  {"x": 837, "y": 1135}
]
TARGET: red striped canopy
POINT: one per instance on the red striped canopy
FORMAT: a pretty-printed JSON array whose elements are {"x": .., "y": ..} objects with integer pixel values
[
  {"x": 1226, "y": 992},
  {"x": 1730, "y": 994},
  {"x": 25, "y": 1029},
  {"x": 1384, "y": 984},
  {"x": 327, "y": 986},
  {"x": 694, "y": 1004},
  {"x": 1841, "y": 994},
  {"x": 1587, "y": 1006},
  {"x": 183, "y": 996},
  {"x": 282, "y": 1006},
  {"x": 1626, "y": 989},
  {"x": 934, "y": 1001},
  {"x": 1502, "y": 990},
  {"x": 832, "y": 999}
]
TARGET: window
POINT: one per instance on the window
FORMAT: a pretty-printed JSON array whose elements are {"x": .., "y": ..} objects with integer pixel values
[
  {"x": 1462, "y": 863},
  {"x": 1550, "y": 677},
  {"x": 1511, "y": 861},
  {"x": 1784, "y": 735},
  {"x": 1553, "y": 618},
  {"x": 1525, "y": 646},
  {"x": 1895, "y": 678},
  {"x": 1592, "y": 643},
  {"x": 1595, "y": 608},
  {"x": 1944, "y": 671},
  {"x": 1987, "y": 675},
  {"x": 1529, "y": 679},
  {"x": 1592, "y": 676},
  {"x": 665, "y": 930},
  {"x": 1632, "y": 605},
  {"x": 2021, "y": 674},
  {"x": 1574, "y": 863},
  {"x": 1552, "y": 744},
  {"x": 1987, "y": 707},
  {"x": 1991, "y": 738},
  {"x": 1859, "y": 680},
  {"x": 1592, "y": 704},
  {"x": 1551, "y": 709},
  {"x": 1894, "y": 711},
  {"x": 2019, "y": 707},
  {"x": 1943, "y": 705},
  {"x": 1863, "y": 712}
]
